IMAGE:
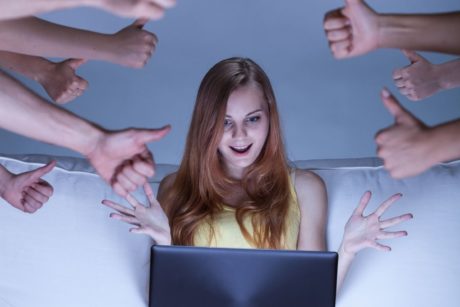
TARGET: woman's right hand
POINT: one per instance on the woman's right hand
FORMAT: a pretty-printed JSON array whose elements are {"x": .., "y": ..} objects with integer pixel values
[{"x": 150, "y": 220}]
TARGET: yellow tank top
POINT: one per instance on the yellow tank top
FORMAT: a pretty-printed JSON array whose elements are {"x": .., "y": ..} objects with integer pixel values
[{"x": 227, "y": 232}]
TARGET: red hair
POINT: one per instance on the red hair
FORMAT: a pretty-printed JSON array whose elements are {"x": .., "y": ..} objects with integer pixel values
[{"x": 201, "y": 184}]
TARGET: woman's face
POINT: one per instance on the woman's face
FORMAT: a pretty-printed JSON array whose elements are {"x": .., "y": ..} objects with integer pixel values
[{"x": 246, "y": 127}]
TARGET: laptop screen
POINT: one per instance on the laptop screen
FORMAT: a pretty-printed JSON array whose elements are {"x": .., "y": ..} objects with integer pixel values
[{"x": 200, "y": 276}]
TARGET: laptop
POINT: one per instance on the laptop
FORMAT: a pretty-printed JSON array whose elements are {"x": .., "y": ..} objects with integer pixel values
[{"x": 220, "y": 277}]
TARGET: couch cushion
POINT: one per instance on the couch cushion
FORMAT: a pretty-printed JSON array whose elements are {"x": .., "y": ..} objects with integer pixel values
[
  {"x": 69, "y": 253},
  {"x": 423, "y": 268}
]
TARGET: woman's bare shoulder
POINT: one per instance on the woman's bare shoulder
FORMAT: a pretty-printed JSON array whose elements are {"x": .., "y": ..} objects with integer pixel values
[
  {"x": 309, "y": 181},
  {"x": 311, "y": 191}
]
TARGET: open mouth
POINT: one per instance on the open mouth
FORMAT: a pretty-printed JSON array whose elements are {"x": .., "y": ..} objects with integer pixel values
[{"x": 241, "y": 149}]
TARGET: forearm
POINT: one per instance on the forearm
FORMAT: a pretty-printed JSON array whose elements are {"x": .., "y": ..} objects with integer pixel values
[
  {"x": 25, "y": 113},
  {"x": 32, "y": 67},
  {"x": 449, "y": 74},
  {"x": 345, "y": 260},
  {"x": 444, "y": 141},
  {"x": 21, "y": 8},
  {"x": 430, "y": 32},
  {"x": 35, "y": 36},
  {"x": 5, "y": 177}
]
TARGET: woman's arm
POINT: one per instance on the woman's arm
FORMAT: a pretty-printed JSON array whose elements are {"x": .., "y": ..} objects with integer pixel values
[
  {"x": 131, "y": 46},
  {"x": 364, "y": 231},
  {"x": 360, "y": 232},
  {"x": 312, "y": 198}
]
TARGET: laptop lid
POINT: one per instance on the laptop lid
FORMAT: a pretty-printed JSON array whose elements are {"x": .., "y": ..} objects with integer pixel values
[{"x": 200, "y": 276}]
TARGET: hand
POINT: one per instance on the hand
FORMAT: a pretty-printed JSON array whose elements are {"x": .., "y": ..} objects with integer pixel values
[
  {"x": 405, "y": 147},
  {"x": 132, "y": 46},
  {"x": 123, "y": 159},
  {"x": 27, "y": 191},
  {"x": 364, "y": 231},
  {"x": 150, "y": 220},
  {"x": 352, "y": 30},
  {"x": 418, "y": 80},
  {"x": 61, "y": 82},
  {"x": 153, "y": 9}
]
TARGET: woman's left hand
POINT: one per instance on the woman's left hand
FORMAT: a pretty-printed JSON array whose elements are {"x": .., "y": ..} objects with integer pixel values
[{"x": 364, "y": 231}]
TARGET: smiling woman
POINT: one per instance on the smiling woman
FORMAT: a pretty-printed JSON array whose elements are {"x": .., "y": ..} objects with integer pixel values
[
  {"x": 234, "y": 187},
  {"x": 245, "y": 129}
]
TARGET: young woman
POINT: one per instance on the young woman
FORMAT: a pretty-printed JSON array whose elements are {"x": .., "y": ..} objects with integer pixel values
[{"x": 234, "y": 187}]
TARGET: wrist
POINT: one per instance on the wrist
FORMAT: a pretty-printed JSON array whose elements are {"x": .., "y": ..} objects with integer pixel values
[
  {"x": 95, "y": 137},
  {"x": 5, "y": 177},
  {"x": 449, "y": 74},
  {"x": 345, "y": 252},
  {"x": 445, "y": 141},
  {"x": 44, "y": 70},
  {"x": 394, "y": 31}
]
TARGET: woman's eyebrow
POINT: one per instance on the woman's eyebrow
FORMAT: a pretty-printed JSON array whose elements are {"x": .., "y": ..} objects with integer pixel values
[{"x": 255, "y": 111}]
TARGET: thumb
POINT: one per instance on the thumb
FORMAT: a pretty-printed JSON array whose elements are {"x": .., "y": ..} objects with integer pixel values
[
  {"x": 413, "y": 56},
  {"x": 401, "y": 115},
  {"x": 140, "y": 22},
  {"x": 150, "y": 135},
  {"x": 75, "y": 63},
  {"x": 41, "y": 171}
]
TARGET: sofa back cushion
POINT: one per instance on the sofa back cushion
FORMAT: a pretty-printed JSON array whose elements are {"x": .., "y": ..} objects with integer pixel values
[
  {"x": 423, "y": 268},
  {"x": 69, "y": 253}
]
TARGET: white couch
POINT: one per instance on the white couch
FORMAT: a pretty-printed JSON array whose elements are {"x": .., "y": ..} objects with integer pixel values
[{"x": 70, "y": 254}]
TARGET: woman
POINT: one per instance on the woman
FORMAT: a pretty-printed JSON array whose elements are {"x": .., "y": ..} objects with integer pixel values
[{"x": 234, "y": 187}]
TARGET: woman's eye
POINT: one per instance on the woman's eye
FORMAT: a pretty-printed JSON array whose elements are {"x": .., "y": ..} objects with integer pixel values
[
  {"x": 227, "y": 123},
  {"x": 253, "y": 119}
]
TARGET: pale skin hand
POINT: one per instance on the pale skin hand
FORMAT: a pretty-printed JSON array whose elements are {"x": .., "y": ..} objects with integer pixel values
[
  {"x": 357, "y": 29},
  {"x": 422, "y": 79},
  {"x": 62, "y": 83},
  {"x": 123, "y": 159},
  {"x": 352, "y": 30},
  {"x": 153, "y": 9},
  {"x": 364, "y": 231},
  {"x": 404, "y": 145},
  {"x": 149, "y": 220},
  {"x": 58, "y": 79},
  {"x": 131, "y": 46},
  {"x": 26, "y": 191},
  {"x": 409, "y": 147}
]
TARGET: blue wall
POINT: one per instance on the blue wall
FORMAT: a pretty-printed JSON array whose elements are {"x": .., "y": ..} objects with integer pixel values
[{"x": 329, "y": 108}]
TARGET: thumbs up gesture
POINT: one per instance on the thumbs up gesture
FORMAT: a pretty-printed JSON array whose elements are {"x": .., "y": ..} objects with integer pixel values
[
  {"x": 352, "y": 30},
  {"x": 132, "y": 46},
  {"x": 61, "y": 81},
  {"x": 26, "y": 191},
  {"x": 420, "y": 79},
  {"x": 122, "y": 158},
  {"x": 406, "y": 146}
]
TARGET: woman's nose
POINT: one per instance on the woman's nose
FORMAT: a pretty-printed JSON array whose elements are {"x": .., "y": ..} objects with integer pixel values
[{"x": 239, "y": 131}]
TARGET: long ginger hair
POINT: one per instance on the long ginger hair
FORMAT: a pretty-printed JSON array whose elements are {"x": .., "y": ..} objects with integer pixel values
[{"x": 201, "y": 184}]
